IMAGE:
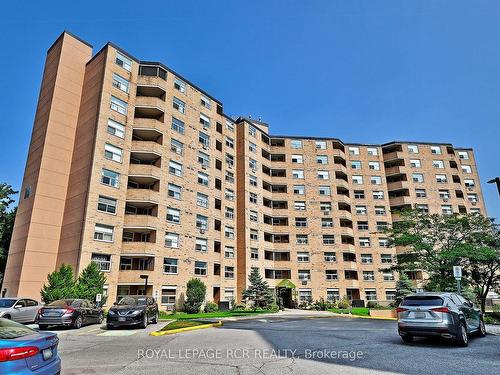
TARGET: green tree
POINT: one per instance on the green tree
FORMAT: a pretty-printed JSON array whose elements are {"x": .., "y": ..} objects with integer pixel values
[
  {"x": 90, "y": 283},
  {"x": 7, "y": 218},
  {"x": 404, "y": 286},
  {"x": 60, "y": 284},
  {"x": 195, "y": 295},
  {"x": 258, "y": 292}
]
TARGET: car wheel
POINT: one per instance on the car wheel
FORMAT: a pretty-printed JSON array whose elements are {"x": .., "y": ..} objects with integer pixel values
[
  {"x": 155, "y": 319},
  {"x": 481, "y": 332},
  {"x": 77, "y": 323},
  {"x": 109, "y": 326},
  {"x": 6, "y": 316},
  {"x": 100, "y": 318},
  {"x": 144, "y": 323},
  {"x": 407, "y": 339},
  {"x": 462, "y": 338},
  {"x": 43, "y": 327}
]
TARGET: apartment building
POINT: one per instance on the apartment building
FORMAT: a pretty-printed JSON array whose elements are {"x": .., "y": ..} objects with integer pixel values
[{"x": 137, "y": 169}]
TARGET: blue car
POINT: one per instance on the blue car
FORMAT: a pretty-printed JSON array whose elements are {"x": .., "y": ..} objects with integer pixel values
[{"x": 26, "y": 351}]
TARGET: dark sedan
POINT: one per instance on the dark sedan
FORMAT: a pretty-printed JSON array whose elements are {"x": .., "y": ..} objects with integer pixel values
[
  {"x": 133, "y": 310},
  {"x": 69, "y": 312}
]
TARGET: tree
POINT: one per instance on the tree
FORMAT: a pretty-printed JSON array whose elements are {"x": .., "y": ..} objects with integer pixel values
[
  {"x": 60, "y": 284},
  {"x": 90, "y": 283},
  {"x": 7, "y": 218},
  {"x": 436, "y": 243},
  {"x": 404, "y": 286},
  {"x": 195, "y": 295},
  {"x": 258, "y": 292}
]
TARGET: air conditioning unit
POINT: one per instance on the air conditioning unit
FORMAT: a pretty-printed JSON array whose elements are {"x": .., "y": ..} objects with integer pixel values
[
  {"x": 205, "y": 147},
  {"x": 304, "y": 282},
  {"x": 326, "y": 213},
  {"x": 203, "y": 166},
  {"x": 474, "y": 203},
  {"x": 470, "y": 188},
  {"x": 202, "y": 231},
  {"x": 445, "y": 199}
]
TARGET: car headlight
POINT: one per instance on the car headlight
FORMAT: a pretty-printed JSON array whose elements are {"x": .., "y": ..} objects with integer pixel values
[
  {"x": 111, "y": 312},
  {"x": 136, "y": 312}
]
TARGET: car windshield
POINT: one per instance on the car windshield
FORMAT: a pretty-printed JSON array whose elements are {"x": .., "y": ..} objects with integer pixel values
[
  {"x": 422, "y": 301},
  {"x": 7, "y": 302},
  {"x": 13, "y": 330},
  {"x": 132, "y": 301},
  {"x": 61, "y": 303}
]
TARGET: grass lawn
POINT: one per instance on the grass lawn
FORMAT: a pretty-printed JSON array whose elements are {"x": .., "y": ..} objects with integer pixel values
[
  {"x": 339, "y": 311},
  {"x": 217, "y": 314},
  {"x": 360, "y": 311},
  {"x": 182, "y": 324}
]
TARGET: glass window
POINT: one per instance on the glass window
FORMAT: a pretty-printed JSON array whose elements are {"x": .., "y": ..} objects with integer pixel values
[
  {"x": 320, "y": 145},
  {"x": 366, "y": 258},
  {"x": 441, "y": 178},
  {"x": 372, "y": 151},
  {"x": 175, "y": 168},
  {"x": 170, "y": 265},
  {"x": 110, "y": 178},
  {"x": 123, "y": 61},
  {"x": 438, "y": 164},
  {"x": 174, "y": 191},
  {"x": 325, "y": 190},
  {"x": 330, "y": 256},
  {"x": 415, "y": 163},
  {"x": 355, "y": 164},
  {"x": 200, "y": 268},
  {"x": 297, "y": 159},
  {"x": 113, "y": 153},
  {"x": 436, "y": 150},
  {"x": 173, "y": 215},
  {"x": 323, "y": 175},
  {"x": 204, "y": 139},
  {"x": 322, "y": 159},
  {"x": 252, "y": 131},
  {"x": 106, "y": 204},
  {"x": 115, "y": 128},
  {"x": 172, "y": 240},
  {"x": 201, "y": 245},
  {"x": 229, "y": 252},
  {"x": 177, "y": 125},
  {"x": 298, "y": 174},
  {"x": 353, "y": 150},
  {"x": 378, "y": 195},
  {"x": 103, "y": 261},
  {"x": 205, "y": 102},
  {"x": 202, "y": 200},
  {"x": 179, "y": 85},
  {"x": 358, "y": 180},
  {"x": 121, "y": 83},
  {"x": 420, "y": 193},
  {"x": 376, "y": 180},
  {"x": 179, "y": 105},
  {"x": 103, "y": 233},
  {"x": 203, "y": 178},
  {"x": 413, "y": 149},
  {"x": 464, "y": 155},
  {"x": 176, "y": 146},
  {"x": 201, "y": 222},
  {"x": 417, "y": 177},
  {"x": 118, "y": 105},
  {"x": 374, "y": 165},
  {"x": 204, "y": 120},
  {"x": 296, "y": 143}
]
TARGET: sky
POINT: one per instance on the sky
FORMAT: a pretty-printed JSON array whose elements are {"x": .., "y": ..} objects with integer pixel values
[{"x": 362, "y": 71}]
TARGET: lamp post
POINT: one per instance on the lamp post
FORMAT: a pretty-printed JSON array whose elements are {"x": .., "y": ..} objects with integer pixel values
[
  {"x": 496, "y": 180},
  {"x": 145, "y": 277}
]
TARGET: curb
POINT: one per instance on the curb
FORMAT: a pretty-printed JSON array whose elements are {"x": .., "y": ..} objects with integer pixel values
[
  {"x": 361, "y": 317},
  {"x": 185, "y": 329}
]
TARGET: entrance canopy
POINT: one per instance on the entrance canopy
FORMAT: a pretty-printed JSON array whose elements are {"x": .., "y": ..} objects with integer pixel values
[{"x": 286, "y": 284}]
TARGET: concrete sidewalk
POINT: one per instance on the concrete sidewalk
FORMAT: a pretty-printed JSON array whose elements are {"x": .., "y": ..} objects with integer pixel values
[
  {"x": 287, "y": 313},
  {"x": 493, "y": 329}
]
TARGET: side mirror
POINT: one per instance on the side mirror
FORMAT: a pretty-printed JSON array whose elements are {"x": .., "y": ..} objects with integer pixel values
[
  {"x": 18, "y": 306},
  {"x": 115, "y": 303}
]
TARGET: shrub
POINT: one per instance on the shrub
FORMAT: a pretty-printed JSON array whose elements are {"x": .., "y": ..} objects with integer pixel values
[
  {"x": 239, "y": 307},
  {"x": 274, "y": 307},
  {"x": 60, "y": 284},
  {"x": 344, "y": 303},
  {"x": 195, "y": 295},
  {"x": 211, "y": 307},
  {"x": 321, "y": 305}
]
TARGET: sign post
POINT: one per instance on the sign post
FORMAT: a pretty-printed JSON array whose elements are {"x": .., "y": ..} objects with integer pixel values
[
  {"x": 98, "y": 298},
  {"x": 457, "y": 273}
]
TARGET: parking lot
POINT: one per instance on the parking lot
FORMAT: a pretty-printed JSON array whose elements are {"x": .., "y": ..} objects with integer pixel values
[{"x": 272, "y": 346}]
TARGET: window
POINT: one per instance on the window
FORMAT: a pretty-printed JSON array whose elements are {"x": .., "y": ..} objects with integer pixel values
[
  {"x": 253, "y": 216},
  {"x": 123, "y": 61},
  {"x": 446, "y": 209},
  {"x": 355, "y": 164},
  {"x": 371, "y": 295},
  {"x": 203, "y": 159},
  {"x": 103, "y": 233},
  {"x": 366, "y": 258},
  {"x": 332, "y": 295},
  {"x": 229, "y": 142},
  {"x": 201, "y": 222},
  {"x": 368, "y": 276},
  {"x": 168, "y": 297},
  {"x": 202, "y": 200},
  {"x": 331, "y": 275},
  {"x": 320, "y": 145},
  {"x": 103, "y": 261},
  {"x": 376, "y": 180},
  {"x": 173, "y": 215},
  {"x": 110, "y": 178},
  {"x": 27, "y": 192},
  {"x": 438, "y": 164},
  {"x": 297, "y": 159},
  {"x": 422, "y": 207},
  {"x": 359, "y": 194},
  {"x": 324, "y": 190},
  {"x": 330, "y": 256},
  {"x": 472, "y": 198},
  {"x": 229, "y": 176},
  {"x": 374, "y": 165},
  {"x": 326, "y": 222},
  {"x": 254, "y": 253},
  {"x": 364, "y": 242},
  {"x": 175, "y": 168},
  {"x": 179, "y": 85},
  {"x": 372, "y": 151},
  {"x": 204, "y": 139},
  {"x": 252, "y": 147},
  {"x": 170, "y": 265},
  {"x": 362, "y": 225},
  {"x": 413, "y": 149},
  {"x": 299, "y": 206},
  {"x": 298, "y": 174},
  {"x": 176, "y": 146},
  {"x": 229, "y": 194},
  {"x": 252, "y": 131},
  {"x": 172, "y": 240},
  {"x": 322, "y": 159},
  {"x": 475, "y": 210},
  {"x": 229, "y": 126},
  {"x": 358, "y": 180},
  {"x": 469, "y": 183},
  {"x": 204, "y": 120},
  {"x": 179, "y": 105},
  {"x": 253, "y": 198},
  {"x": 252, "y": 180},
  {"x": 203, "y": 178},
  {"x": 353, "y": 151},
  {"x": 383, "y": 242},
  {"x": 301, "y": 222},
  {"x": 323, "y": 175},
  {"x": 118, "y": 105},
  {"x": 200, "y": 268},
  {"x": 303, "y": 256},
  {"x": 466, "y": 169},
  {"x": 444, "y": 194},
  {"x": 379, "y": 210},
  {"x": 388, "y": 276},
  {"x": 113, "y": 153},
  {"x": 115, "y": 128},
  {"x": 229, "y": 213},
  {"x": 121, "y": 83},
  {"x": 325, "y": 206},
  {"x": 360, "y": 210},
  {"x": 177, "y": 125},
  {"x": 390, "y": 295},
  {"x": 435, "y": 150},
  {"x": 301, "y": 239},
  {"x": 381, "y": 226},
  {"x": 230, "y": 160},
  {"x": 201, "y": 244},
  {"x": 464, "y": 155},
  {"x": 106, "y": 204},
  {"x": 328, "y": 239},
  {"x": 420, "y": 193},
  {"x": 304, "y": 275},
  {"x": 229, "y": 232},
  {"x": 417, "y": 177},
  {"x": 378, "y": 195},
  {"x": 385, "y": 258},
  {"x": 174, "y": 191},
  {"x": 254, "y": 235},
  {"x": 229, "y": 272},
  {"x": 441, "y": 178},
  {"x": 205, "y": 102},
  {"x": 252, "y": 164},
  {"x": 296, "y": 143}
]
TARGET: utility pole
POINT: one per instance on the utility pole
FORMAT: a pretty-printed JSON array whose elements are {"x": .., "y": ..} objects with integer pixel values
[{"x": 496, "y": 180}]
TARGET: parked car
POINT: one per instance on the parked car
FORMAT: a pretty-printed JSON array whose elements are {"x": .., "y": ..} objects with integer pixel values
[
  {"x": 69, "y": 312},
  {"x": 447, "y": 315},
  {"x": 21, "y": 310},
  {"x": 26, "y": 351},
  {"x": 133, "y": 310}
]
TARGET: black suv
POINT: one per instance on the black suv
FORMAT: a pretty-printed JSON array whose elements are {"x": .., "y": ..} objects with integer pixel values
[{"x": 131, "y": 311}]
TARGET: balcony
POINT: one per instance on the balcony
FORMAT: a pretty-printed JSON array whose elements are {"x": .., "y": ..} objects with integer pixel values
[
  {"x": 347, "y": 248},
  {"x": 141, "y": 147},
  {"x": 393, "y": 155},
  {"x": 150, "y": 124},
  {"x": 146, "y": 171},
  {"x": 143, "y": 195},
  {"x": 346, "y": 231},
  {"x": 400, "y": 201},
  {"x": 398, "y": 169},
  {"x": 133, "y": 276},
  {"x": 343, "y": 214},
  {"x": 350, "y": 265},
  {"x": 397, "y": 185},
  {"x": 138, "y": 248},
  {"x": 149, "y": 107},
  {"x": 140, "y": 221},
  {"x": 342, "y": 183},
  {"x": 351, "y": 283},
  {"x": 154, "y": 85},
  {"x": 343, "y": 199},
  {"x": 341, "y": 168}
]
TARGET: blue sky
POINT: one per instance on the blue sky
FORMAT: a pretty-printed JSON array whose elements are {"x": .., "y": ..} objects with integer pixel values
[{"x": 363, "y": 71}]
